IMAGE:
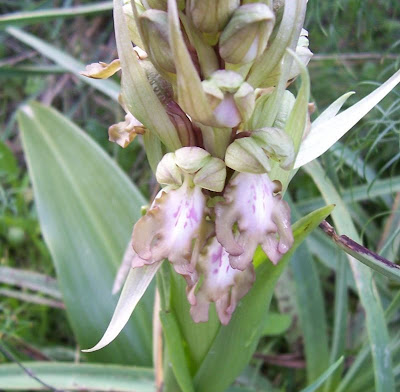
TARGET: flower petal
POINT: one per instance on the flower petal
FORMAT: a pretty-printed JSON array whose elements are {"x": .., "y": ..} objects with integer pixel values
[
  {"x": 102, "y": 70},
  {"x": 170, "y": 228},
  {"x": 259, "y": 214},
  {"x": 222, "y": 284}
]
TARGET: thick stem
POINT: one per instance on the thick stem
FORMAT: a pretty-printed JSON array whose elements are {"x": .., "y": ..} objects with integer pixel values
[{"x": 216, "y": 140}]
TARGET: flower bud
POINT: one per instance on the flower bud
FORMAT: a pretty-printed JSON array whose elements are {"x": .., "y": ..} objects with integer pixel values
[
  {"x": 204, "y": 170},
  {"x": 212, "y": 175},
  {"x": 303, "y": 53},
  {"x": 247, "y": 33},
  {"x": 168, "y": 172},
  {"x": 245, "y": 156},
  {"x": 231, "y": 99},
  {"x": 277, "y": 144},
  {"x": 154, "y": 27},
  {"x": 211, "y": 16},
  {"x": 252, "y": 154}
]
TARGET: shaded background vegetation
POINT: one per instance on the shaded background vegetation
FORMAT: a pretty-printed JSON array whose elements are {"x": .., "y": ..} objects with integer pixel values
[{"x": 357, "y": 47}]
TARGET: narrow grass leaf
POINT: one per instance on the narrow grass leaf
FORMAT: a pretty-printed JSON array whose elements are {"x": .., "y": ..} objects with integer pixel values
[
  {"x": 31, "y": 298},
  {"x": 30, "y": 280},
  {"x": 363, "y": 355},
  {"x": 369, "y": 297},
  {"x": 77, "y": 377},
  {"x": 86, "y": 207},
  {"x": 311, "y": 310},
  {"x": 313, "y": 387},
  {"x": 235, "y": 343},
  {"x": 107, "y": 87},
  {"x": 28, "y": 17},
  {"x": 357, "y": 193},
  {"x": 367, "y": 257},
  {"x": 327, "y": 133}
]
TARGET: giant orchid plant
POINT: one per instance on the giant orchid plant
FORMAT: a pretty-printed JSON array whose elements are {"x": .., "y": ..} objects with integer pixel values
[{"x": 208, "y": 85}]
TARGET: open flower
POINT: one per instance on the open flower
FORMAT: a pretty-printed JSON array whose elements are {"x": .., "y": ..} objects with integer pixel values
[
  {"x": 176, "y": 219},
  {"x": 262, "y": 218},
  {"x": 221, "y": 284}
]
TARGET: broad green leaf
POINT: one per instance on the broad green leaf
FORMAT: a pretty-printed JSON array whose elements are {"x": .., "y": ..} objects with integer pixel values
[
  {"x": 136, "y": 284},
  {"x": 313, "y": 387},
  {"x": 367, "y": 257},
  {"x": 137, "y": 92},
  {"x": 107, "y": 87},
  {"x": 311, "y": 310},
  {"x": 27, "y": 17},
  {"x": 176, "y": 353},
  {"x": 235, "y": 343},
  {"x": 327, "y": 133},
  {"x": 375, "y": 322},
  {"x": 277, "y": 324},
  {"x": 30, "y": 280},
  {"x": 86, "y": 207},
  {"x": 76, "y": 377}
]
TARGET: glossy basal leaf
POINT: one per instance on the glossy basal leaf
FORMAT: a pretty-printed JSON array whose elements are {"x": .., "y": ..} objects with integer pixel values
[
  {"x": 86, "y": 207},
  {"x": 76, "y": 377},
  {"x": 235, "y": 343},
  {"x": 375, "y": 322}
]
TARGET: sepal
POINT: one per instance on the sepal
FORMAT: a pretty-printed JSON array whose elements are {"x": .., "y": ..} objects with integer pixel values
[{"x": 247, "y": 33}]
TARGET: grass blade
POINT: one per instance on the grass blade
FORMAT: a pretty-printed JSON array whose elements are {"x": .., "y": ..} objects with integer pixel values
[
  {"x": 376, "y": 325},
  {"x": 107, "y": 87},
  {"x": 311, "y": 310},
  {"x": 30, "y": 280},
  {"x": 28, "y": 17},
  {"x": 367, "y": 257},
  {"x": 77, "y": 377},
  {"x": 323, "y": 377}
]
